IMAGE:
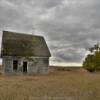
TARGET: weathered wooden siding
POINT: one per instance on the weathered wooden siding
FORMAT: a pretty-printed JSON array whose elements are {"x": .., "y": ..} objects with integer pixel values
[
  {"x": 7, "y": 65},
  {"x": 34, "y": 64}
]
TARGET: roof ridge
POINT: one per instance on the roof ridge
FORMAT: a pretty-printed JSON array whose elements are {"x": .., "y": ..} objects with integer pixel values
[{"x": 21, "y": 33}]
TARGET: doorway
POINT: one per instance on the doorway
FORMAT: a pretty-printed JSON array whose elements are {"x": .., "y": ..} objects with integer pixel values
[
  {"x": 15, "y": 65},
  {"x": 24, "y": 67}
]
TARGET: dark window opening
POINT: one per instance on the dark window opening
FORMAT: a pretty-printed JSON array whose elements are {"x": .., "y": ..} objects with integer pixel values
[
  {"x": 15, "y": 65},
  {"x": 46, "y": 61},
  {"x": 25, "y": 67}
]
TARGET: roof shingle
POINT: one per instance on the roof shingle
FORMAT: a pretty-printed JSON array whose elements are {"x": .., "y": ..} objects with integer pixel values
[{"x": 16, "y": 44}]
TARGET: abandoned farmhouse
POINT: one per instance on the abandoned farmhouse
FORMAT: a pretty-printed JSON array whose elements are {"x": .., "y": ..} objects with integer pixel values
[{"x": 23, "y": 53}]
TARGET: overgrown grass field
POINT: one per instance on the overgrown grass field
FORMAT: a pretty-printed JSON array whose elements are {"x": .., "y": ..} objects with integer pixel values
[{"x": 57, "y": 85}]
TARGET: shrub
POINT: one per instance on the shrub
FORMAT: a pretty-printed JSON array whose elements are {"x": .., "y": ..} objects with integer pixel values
[{"x": 92, "y": 61}]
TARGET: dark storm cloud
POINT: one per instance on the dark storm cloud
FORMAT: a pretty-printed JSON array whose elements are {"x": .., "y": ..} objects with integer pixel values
[{"x": 69, "y": 26}]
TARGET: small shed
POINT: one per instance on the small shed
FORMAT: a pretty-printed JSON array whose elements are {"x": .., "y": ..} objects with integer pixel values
[{"x": 24, "y": 53}]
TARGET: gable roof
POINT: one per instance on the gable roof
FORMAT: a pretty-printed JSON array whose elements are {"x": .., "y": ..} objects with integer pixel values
[{"x": 16, "y": 44}]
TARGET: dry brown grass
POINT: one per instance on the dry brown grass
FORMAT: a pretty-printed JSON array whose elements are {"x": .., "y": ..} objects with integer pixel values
[{"x": 57, "y": 85}]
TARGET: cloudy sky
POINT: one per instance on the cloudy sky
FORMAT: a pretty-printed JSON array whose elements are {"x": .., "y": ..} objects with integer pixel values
[{"x": 70, "y": 27}]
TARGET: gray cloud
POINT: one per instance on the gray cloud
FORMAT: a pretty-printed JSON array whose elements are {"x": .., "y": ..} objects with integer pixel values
[{"x": 69, "y": 26}]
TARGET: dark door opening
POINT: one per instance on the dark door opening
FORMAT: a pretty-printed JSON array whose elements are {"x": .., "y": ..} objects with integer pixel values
[
  {"x": 25, "y": 67},
  {"x": 15, "y": 65}
]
